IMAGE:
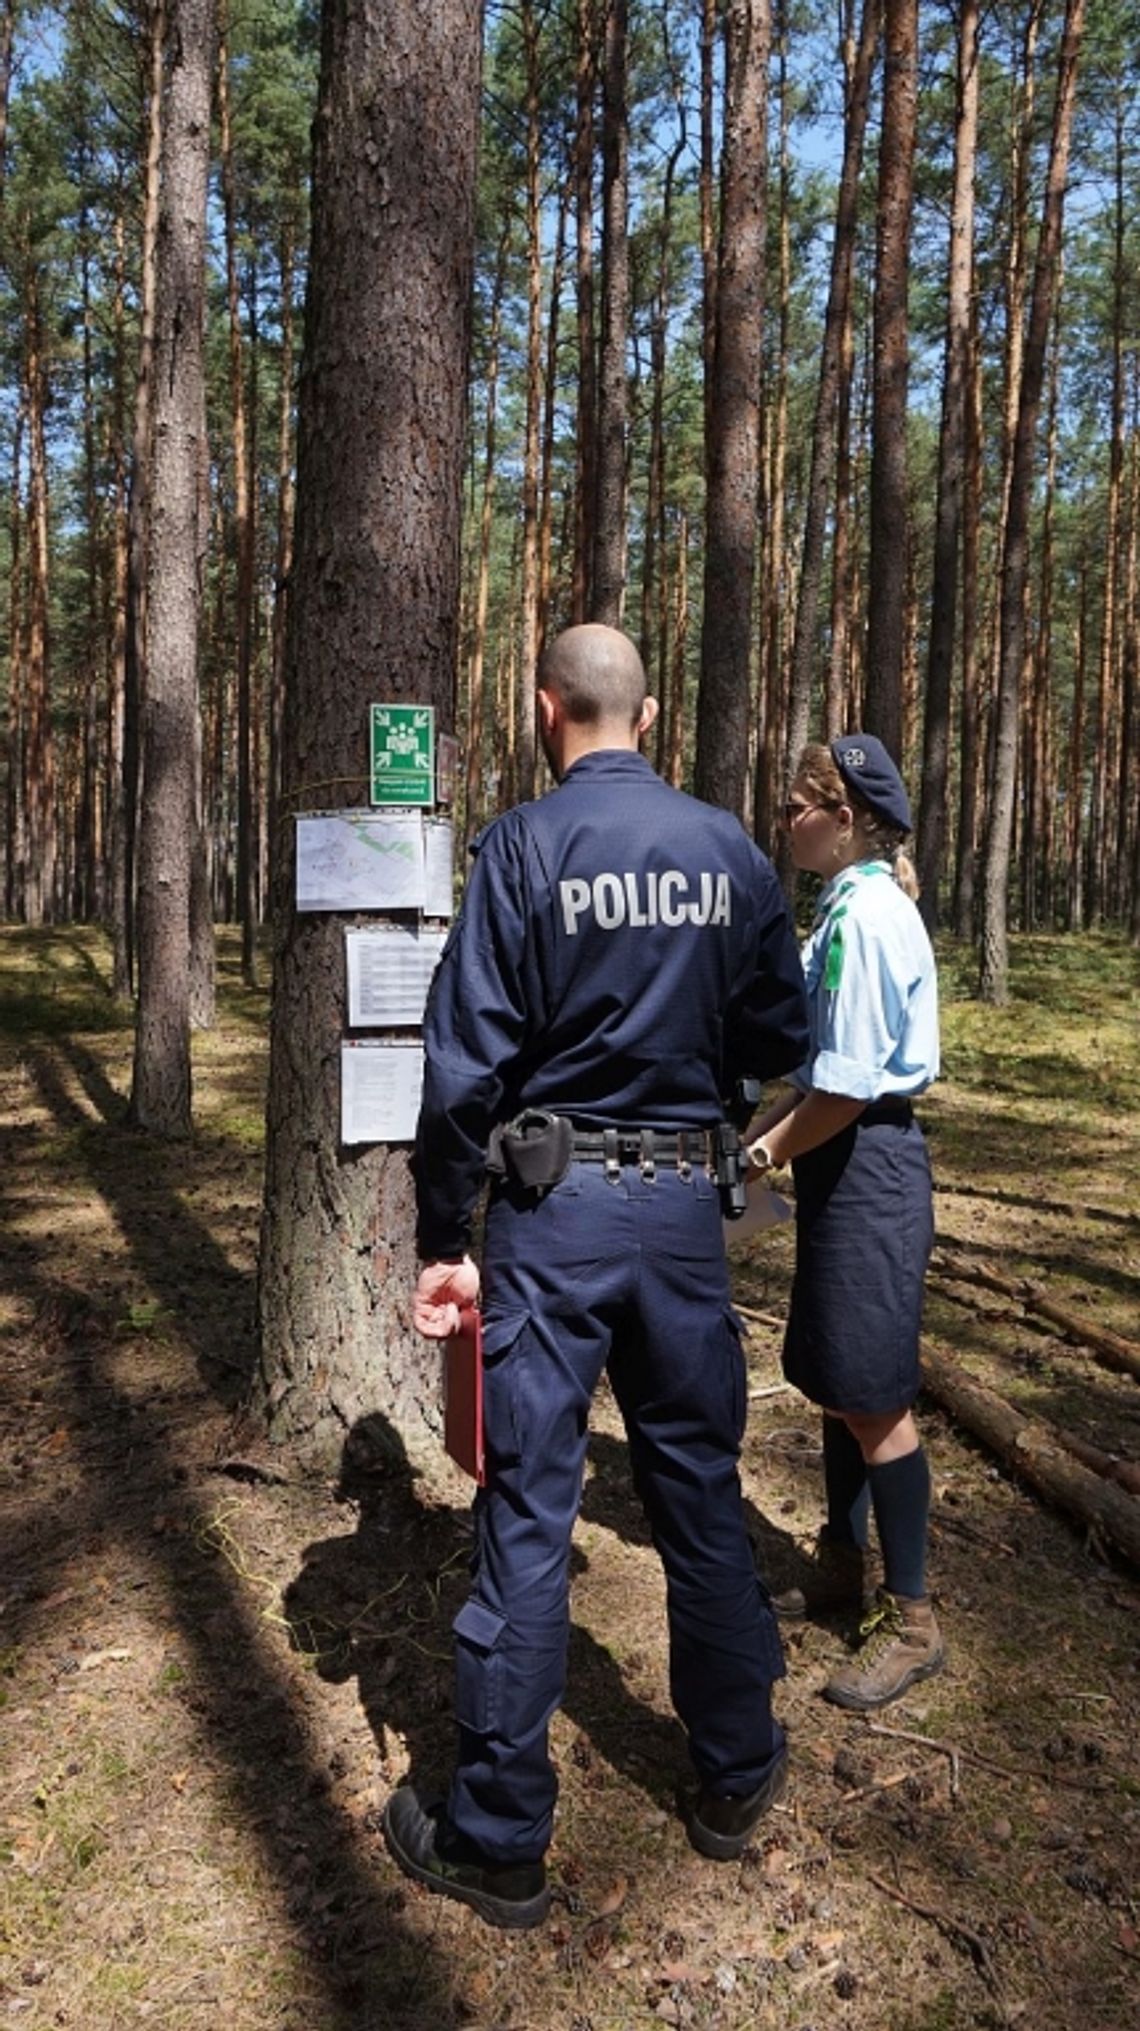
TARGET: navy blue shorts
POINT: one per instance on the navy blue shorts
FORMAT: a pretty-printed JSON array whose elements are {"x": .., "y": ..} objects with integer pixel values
[{"x": 864, "y": 1231}]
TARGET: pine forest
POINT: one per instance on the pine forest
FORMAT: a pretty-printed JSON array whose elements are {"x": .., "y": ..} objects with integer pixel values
[{"x": 804, "y": 344}]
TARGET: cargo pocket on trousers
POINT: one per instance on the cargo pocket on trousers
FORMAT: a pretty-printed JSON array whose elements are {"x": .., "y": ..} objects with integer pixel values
[
  {"x": 479, "y": 1667},
  {"x": 502, "y": 1390},
  {"x": 734, "y": 1332}
]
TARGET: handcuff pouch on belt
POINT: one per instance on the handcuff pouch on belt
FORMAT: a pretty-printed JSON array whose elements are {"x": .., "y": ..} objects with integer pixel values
[{"x": 534, "y": 1150}]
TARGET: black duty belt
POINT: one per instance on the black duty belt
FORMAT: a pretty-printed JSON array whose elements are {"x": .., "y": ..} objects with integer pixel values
[
  {"x": 537, "y": 1148},
  {"x": 676, "y": 1148},
  {"x": 898, "y": 1112}
]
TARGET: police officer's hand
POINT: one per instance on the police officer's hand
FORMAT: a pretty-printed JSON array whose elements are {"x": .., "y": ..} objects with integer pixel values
[{"x": 443, "y": 1288}]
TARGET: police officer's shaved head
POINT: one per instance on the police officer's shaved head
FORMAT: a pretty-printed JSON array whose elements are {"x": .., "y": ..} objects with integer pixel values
[{"x": 597, "y": 675}]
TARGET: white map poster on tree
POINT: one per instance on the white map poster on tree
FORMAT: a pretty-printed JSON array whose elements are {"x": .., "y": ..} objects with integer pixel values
[{"x": 361, "y": 860}]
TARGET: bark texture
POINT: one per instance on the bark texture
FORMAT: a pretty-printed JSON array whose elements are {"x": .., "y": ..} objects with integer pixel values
[
  {"x": 721, "y": 773},
  {"x": 160, "y": 1093},
  {"x": 373, "y": 616}
]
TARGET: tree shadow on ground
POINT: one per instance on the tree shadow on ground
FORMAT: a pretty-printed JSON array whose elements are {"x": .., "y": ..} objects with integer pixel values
[
  {"x": 369, "y": 1967},
  {"x": 379, "y": 1605},
  {"x": 176, "y": 1254},
  {"x": 252, "y": 1730}
]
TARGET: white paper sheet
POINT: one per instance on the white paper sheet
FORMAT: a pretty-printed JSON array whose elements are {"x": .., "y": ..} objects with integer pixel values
[
  {"x": 439, "y": 863},
  {"x": 765, "y": 1208},
  {"x": 361, "y": 860},
  {"x": 380, "y": 1087},
  {"x": 389, "y": 969}
]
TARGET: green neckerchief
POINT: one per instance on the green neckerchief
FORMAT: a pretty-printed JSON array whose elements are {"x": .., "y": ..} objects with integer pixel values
[{"x": 836, "y": 911}]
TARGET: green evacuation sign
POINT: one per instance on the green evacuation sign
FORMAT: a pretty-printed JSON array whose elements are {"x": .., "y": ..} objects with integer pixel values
[{"x": 403, "y": 754}]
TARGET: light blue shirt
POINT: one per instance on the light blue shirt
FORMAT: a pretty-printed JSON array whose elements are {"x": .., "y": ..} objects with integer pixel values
[{"x": 872, "y": 990}]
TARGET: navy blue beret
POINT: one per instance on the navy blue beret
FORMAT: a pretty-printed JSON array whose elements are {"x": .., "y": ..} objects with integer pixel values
[{"x": 868, "y": 771}]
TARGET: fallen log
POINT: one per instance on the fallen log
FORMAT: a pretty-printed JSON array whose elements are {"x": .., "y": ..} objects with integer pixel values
[
  {"x": 1034, "y": 1452},
  {"x": 1110, "y": 1466},
  {"x": 1111, "y": 1349}
]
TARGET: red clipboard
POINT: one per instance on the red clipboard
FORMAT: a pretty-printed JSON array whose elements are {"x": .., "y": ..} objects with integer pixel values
[{"x": 463, "y": 1394}]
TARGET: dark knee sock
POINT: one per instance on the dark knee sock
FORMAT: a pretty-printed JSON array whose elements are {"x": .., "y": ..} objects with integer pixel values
[
  {"x": 900, "y": 1491},
  {"x": 845, "y": 1479}
]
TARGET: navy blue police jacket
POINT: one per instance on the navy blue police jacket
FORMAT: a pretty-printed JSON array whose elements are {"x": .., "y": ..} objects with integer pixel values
[{"x": 622, "y": 955}]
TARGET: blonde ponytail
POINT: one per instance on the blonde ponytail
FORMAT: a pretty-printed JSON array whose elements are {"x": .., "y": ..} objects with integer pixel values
[{"x": 903, "y": 870}]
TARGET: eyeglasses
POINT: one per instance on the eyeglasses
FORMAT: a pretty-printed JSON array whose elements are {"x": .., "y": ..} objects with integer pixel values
[{"x": 792, "y": 811}]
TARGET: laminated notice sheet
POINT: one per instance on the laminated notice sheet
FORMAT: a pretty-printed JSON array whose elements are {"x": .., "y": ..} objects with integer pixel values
[
  {"x": 439, "y": 851},
  {"x": 389, "y": 970},
  {"x": 380, "y": 1086},
  {"x": 361, "y": 860}
]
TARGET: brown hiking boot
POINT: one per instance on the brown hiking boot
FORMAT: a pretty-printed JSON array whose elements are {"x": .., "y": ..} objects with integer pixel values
[
  {"x": 899, "y": 1643},
  {"x": 835, "y": 1585}
]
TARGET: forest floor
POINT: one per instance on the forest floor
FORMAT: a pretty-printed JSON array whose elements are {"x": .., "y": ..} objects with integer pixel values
[{"x": 211, "y": 1679}]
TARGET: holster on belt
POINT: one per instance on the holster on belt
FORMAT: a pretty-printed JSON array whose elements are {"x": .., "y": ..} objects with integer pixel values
[{"x": 534, "y": 1150}]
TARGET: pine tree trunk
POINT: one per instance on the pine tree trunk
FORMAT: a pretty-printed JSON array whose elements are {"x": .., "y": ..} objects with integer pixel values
[
  {"x": 951, "y": 478},
  {"x": 528, "y": 644},
  {"x": 613, "y": 397},
  {"x": 994, "y": 976},
  {"x": 15, "y": 816},
  {"x": 585, "y": 437},
  {"x": 160, "y": 1093},
  {"x": 39, "y": 751},
  {"x": 154, "y": 15},
  {"x": 733, "y": 452},
  {"x": 373, "y": 616},
  {"x": 836, "y": 347},
  {"x": 474, "y": 811},
  {"x": 654, "y": 584},
  {"x": 965, "y": 857},
  {"x": 546, "y": 486},
  {"x": 1128, "y": 780},
  {"x": 889, "y": 507},
  {"x": 769, "y": 717},
  {"x": 245, "y": 536},
  {"x": 283, "y": 543},
  {"x": 1033, "y": 857},
  {"x": 115, "y": 881}
]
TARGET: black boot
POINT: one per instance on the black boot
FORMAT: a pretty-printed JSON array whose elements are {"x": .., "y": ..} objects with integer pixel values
[
  {"x": 509, "y": 1894},
  {"x": 721, "y": 1828}
]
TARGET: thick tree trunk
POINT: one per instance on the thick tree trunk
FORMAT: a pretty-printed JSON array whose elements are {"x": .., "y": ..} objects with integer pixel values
[
  {"x": 889, "y": 507},
  {"x": 994, "y": 977},
  {"x": 160, "y": 1092},
  {"x": 733, "y": 453},
  {"x": 373, "y": 616}
]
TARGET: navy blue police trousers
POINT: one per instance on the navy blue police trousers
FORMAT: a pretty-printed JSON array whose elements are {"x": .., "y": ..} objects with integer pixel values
[{"x": 627, "y": 1275}]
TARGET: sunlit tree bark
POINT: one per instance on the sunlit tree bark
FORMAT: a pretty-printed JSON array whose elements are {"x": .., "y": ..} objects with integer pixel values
[{"x": 994, "y": 972}]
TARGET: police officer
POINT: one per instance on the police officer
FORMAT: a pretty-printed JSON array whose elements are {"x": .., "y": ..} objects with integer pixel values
[
  {"x": 864, "y": 1218},
  {"x": 622, "y": 956}
]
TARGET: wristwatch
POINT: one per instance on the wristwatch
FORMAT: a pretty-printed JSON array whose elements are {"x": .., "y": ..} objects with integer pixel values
[{"x": 758, "y": 1156}]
